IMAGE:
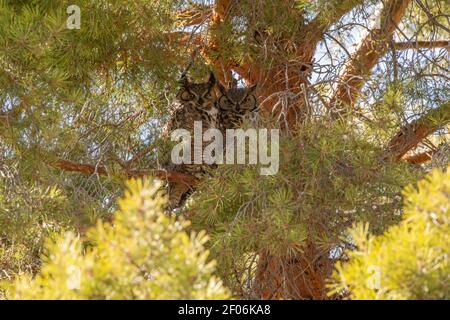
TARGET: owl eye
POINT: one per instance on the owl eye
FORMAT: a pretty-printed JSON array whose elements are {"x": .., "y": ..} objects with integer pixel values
[
  {"x": 225, "y": 103},
  {"x": 248, "y": 103},
  {"x": 186, "y": 95}
]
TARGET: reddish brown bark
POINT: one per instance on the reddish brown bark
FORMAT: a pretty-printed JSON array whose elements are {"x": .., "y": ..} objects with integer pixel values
[
  {"x": 303, "y": 276},
  {"x": 412, "y": 134},
  {"x": 422, "y": 44},
  {"x": 102, "y": 171},
  {"x": 300, "y": 276},
  {"x": 419, "y": 158},
  {"x": 211, "y": 53}
]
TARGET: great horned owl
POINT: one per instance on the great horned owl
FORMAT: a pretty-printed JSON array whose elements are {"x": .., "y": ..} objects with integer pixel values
[
  {"x": 235, "y": 104},
  {"x": 193, "y": 102}
]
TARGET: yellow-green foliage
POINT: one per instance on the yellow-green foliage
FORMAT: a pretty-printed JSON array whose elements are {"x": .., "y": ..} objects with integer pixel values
[
  {"x": 410, "y": 261},
  {"x": 328, "y": 179},
  {"x": 144, "y": 254},
  {"x": 26, "y": 221}
]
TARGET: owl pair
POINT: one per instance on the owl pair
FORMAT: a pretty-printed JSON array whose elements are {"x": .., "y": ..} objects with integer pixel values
[{"x": 217, "y": 106}]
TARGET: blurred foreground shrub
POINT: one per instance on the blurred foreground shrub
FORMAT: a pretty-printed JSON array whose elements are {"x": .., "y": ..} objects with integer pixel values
[{"x": 144, "y": 254}]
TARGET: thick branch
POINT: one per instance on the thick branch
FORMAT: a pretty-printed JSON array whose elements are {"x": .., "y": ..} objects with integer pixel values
[
  {"x": 422, "y": 44},
  {"x": 412, "y": 134},
  {"x": 102, "y": 171},
  {"x": 372, "y": 48},
  {"x": 419, "y": 158}
]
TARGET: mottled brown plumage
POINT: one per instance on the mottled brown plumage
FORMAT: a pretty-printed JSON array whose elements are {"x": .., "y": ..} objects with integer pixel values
[
  {"x": 198, "y": 102},
  {"x": 194, "y": 102},
  {"x": 235, "y": 105}
]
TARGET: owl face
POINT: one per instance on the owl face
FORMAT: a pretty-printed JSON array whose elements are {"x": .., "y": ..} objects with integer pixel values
[
  {"x": 240, "y": 100},
  {"x": 202, "y": 95}
]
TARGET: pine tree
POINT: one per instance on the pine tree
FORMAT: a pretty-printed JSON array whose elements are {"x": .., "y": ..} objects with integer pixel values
[
  {"x": 410, "y": 261},
  {"x": 358, "y": 88}
]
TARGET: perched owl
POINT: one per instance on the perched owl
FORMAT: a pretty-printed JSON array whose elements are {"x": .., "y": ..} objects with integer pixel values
[
  {"x": 194, "y": 102},
  {"x": 236, "y": 104}
]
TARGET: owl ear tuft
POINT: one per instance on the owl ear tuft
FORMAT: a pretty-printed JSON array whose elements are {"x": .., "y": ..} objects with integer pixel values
[
  {"x": 252, "y": 88},
  {"x": 212, "y": 79},
  {"x": 184, "y": 82}
]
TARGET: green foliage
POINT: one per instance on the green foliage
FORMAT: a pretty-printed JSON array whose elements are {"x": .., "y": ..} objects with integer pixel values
[
  {"x": 99, "y": 96},
  {"x": 253, "y": 32},
  {"x": 144, "y": 254},
  {"x": 410, "y": 261},
  {"x": 43, "y": 54},
  {"x": 73, "y": 88},
  {"x": 329, "y": 177},
  {"x": 256, "y": 34},
  {"x": 29, "y": 213},
  {"x": 91, "y": 95}
]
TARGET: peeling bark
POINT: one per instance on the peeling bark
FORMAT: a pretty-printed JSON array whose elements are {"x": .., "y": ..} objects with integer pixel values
[{"x": 301, "y": 276}]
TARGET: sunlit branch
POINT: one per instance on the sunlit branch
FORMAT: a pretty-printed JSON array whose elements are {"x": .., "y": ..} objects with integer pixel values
[
  {"x": 419, "y": 158},
  {"x": 412, "y": 134},
  {"x": 422, "y": 44},
  {"x": 101, "y": 170}
]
